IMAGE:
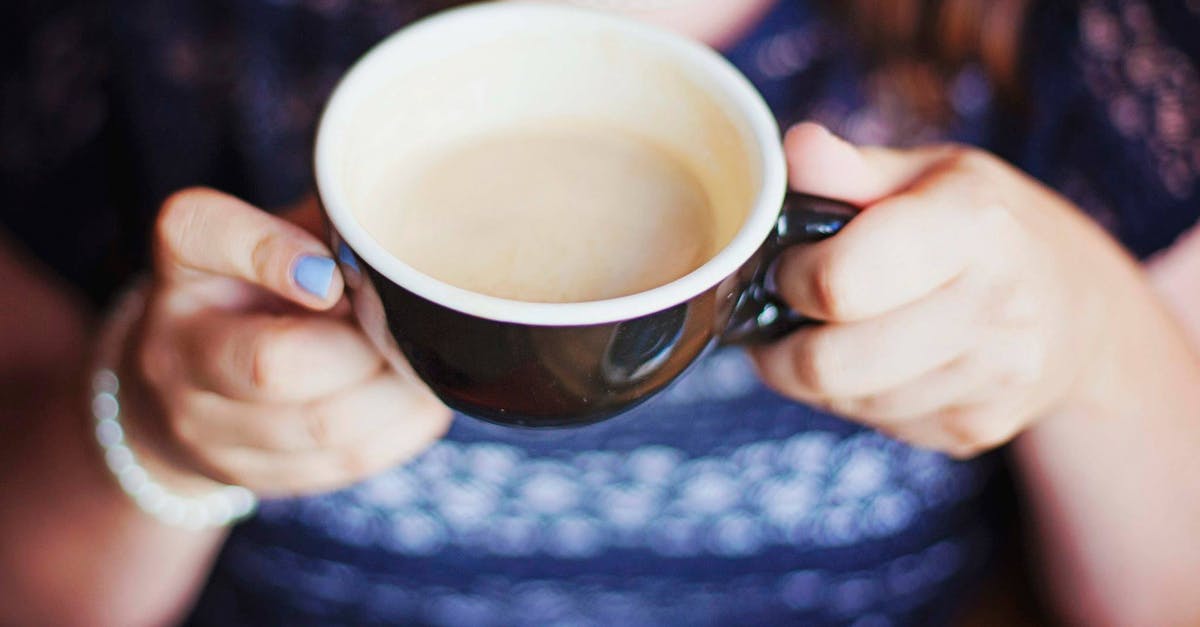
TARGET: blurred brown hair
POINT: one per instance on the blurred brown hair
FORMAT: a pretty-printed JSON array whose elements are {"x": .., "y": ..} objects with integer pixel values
[{"x": 920, "y": 44}]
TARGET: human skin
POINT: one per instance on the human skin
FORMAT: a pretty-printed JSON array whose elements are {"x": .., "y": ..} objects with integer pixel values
[
  {"x": 969, "y": 305},
  {"x": 1041, "y": 324}
]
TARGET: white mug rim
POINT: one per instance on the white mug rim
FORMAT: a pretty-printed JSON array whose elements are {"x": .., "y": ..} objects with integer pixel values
[{"x": 754, "y": 230}]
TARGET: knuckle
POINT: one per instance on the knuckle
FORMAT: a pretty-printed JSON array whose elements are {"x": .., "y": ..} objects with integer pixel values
[
  {"x": 320, "y": 428},
  {"x": 832, "y": 289},
  {"x": 177, "y": 417},
  {"x": 782, "y": 380},
  {"x": 224, "y": 468},
  {"x": 817, "y": 365},
  {"x": 152, "y": 362},
  {"x": 844, "y": 406},
  {"x": 176, "y": 217},
  {"x": 262, "y": 377},
  {"x": 1034, "y": 367},
  {"x": 961, "y": 452},
  {"x": 435, "y": 429},
  {"x": 441, "y": 417},
  {"x": 262, "y": 257},
  {"x": 1026, "y": 366},
  {"x": 182, "y": 430},
  {"x": 433, "y": 418},
  {"x": 359, "y": 464},
  {"x": 971, "y": 433},
  {"x": 966, "y": 165},
  {"x": 997, "y": 438},
  {"x": 375, "y": 456},
  {"x": 992, "y": 221},
  {"x": 270, "y": 357},
  {"x": 969, "y": 159},
  {"x": 185, "y": 413},
  {"x": 884, "y": 408},
  {"x": 926, "y": 442},
  {"x": 281, "y": 432},
  {"x": 914, "y": 435},
  {"x": 267, "y": 251},
  {"x": 1013, "y": 305}
]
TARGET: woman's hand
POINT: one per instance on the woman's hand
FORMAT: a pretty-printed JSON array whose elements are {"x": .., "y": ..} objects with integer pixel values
[
  {"x": 963, "y": 303},
  {"x": 247, "y": 369}
]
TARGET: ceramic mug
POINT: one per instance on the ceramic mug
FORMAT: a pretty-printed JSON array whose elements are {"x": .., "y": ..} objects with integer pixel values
[{"x": 486, "y": 67}]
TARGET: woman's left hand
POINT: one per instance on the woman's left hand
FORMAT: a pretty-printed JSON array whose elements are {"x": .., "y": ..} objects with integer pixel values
[{"x": 963, "y": 303}]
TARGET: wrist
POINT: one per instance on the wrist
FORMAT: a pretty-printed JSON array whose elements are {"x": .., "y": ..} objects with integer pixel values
[
  {"x": 1131, "y": 345},
  {"x": 142, "y": 464},
  {"x": 139, "y": 407},
  {"x": 152, "y": 451},
  {"x": 146, "y": 434}
]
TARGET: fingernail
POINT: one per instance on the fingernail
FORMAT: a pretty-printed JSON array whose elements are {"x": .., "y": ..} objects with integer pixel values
[
  {"x": 347, "y": 256},
  {"x": 314, "y": 274}
]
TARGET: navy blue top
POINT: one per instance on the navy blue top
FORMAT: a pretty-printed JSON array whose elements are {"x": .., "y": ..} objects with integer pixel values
[{"x": 718, "y": 502}]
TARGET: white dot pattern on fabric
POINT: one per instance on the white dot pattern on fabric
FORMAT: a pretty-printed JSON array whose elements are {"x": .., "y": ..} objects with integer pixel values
[
  {"x": 788, "y": 53},
  {"x": 1152, "y": 88},
  {"x": 867, "y": 597},
  {"x": 719, "y": 376},
  {"x": 488, "y": 533},
  {"x": 812, "y": 489}
]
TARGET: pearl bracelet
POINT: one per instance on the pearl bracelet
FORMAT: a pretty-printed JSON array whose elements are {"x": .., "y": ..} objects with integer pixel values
[{"x": 220, "y": 508}]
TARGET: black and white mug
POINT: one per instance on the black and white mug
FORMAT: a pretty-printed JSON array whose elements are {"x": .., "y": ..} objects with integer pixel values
[{"x": 498, "y": 65}]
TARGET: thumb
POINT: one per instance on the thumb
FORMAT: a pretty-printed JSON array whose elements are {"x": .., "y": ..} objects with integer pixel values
[
  {"x": 824, "y": 164},
  {"x": 202, "y": 233}
]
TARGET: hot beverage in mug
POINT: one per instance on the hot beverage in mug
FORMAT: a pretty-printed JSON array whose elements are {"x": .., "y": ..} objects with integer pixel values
[
  {"x": 549, "y": 212},
  {"x": 556, "y": 212}
]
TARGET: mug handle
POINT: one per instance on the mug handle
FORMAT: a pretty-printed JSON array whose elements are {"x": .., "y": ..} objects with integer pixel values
[{"x": 760, "y": 316}]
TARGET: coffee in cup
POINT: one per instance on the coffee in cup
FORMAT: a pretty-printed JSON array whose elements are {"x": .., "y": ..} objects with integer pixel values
[
  {"x": 556, "y": 212},
  {"x": 550, "y": 212}
]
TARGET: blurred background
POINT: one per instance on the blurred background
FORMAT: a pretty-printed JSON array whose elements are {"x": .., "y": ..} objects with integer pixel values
[{"x": 726, "y": 505}]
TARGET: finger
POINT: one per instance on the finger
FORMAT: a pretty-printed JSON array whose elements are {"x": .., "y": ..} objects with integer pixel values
[
  {"x": 823, "y": 164},
  {"x": 1016, "y": 359},
  {"x": 332, "y": 422},
  {"x": 270, "y": 358},
  {"x": 204, "y": 232},
  {"x": 892, "y": 254},
  {"x": 271, "y": 473},
  {"x": 963, "y": 432},
  {"x": 857, "y": 359},
  {"x": 948, "y": 386}
]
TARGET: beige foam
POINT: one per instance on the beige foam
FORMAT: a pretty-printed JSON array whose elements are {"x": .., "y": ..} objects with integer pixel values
[{"x": 553, "y": 212}]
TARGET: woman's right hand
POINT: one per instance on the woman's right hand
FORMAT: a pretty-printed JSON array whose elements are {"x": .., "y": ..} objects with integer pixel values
[{"x": 247, "y": 368}]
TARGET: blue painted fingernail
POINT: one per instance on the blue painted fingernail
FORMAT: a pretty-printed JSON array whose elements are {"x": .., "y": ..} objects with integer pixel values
[
  {"x": 347, "y": 256},
  {"x": 314, "y": 274}
]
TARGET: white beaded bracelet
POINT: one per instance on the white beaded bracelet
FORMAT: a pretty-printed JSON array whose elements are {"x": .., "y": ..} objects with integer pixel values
[{"x": 220, "y": 508}]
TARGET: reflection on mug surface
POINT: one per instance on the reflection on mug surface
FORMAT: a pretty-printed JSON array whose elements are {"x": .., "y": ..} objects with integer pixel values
[{"x": 520, "y": 294}]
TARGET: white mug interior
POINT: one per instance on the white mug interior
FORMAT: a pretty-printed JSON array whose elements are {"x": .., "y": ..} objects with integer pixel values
[{"x": 491, "y": 67}]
